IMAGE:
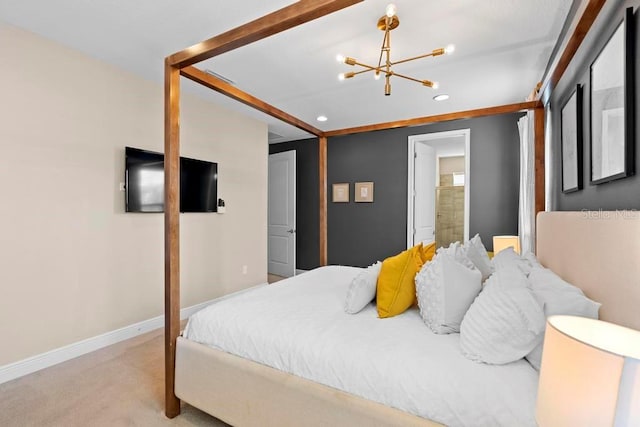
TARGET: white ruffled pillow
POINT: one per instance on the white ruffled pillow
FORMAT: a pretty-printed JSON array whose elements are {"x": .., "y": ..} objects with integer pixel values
[
  {"x": 509, "y": 258},
  {"x": 505, "y": 322},
  {"x": 457, "y": 252},
  {"x": 445, "y": 289},
  {"x": 477, "y": 253},
  {"x": 559, "y": 297},
  {"x": 362, "y": 289}
]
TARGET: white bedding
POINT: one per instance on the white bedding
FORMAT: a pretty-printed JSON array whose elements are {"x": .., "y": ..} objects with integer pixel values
[{"x": 299, "y": 326}]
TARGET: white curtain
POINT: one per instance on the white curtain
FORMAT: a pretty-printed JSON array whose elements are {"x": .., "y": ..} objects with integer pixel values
[{"x": 526, "y": 206}]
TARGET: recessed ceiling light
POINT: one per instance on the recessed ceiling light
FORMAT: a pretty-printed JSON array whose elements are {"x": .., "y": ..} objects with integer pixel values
[
  {"x": 322, "y": 118},
  {"x": 441, "y": 97}
]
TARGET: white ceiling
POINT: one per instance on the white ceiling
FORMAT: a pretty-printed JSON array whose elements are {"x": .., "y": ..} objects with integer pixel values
[{"x": 502, "y": 49}]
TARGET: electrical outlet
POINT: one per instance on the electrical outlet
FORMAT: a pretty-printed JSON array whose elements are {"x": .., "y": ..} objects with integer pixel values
[
  {"x": 244, "y": 269},
  {"x": 122, "y": 186}
]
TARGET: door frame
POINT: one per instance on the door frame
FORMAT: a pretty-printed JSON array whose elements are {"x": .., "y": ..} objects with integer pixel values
[
  {"x": 295, "y": 209},
  {"x": 415, "y": 139}
]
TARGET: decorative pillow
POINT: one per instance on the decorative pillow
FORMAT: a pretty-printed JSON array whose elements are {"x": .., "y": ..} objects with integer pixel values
[
  {"x": 362, "y": 289},
  {"x": 478, "y": 255},
  {"x": 509, "y": 258},
  {"x": 456, "y": 251},
  {"x": 396, "y": 289},
  {"x": 559, "y": 297},
  {"x": 445, "y": 290},
  {"x": 505, "y": 322},
  {"x": 428, "y": 252},
  {"x": 532, "y": 260}
]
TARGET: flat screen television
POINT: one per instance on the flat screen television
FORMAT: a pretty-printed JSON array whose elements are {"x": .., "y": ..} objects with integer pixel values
[{"x": 144, "y": 183}]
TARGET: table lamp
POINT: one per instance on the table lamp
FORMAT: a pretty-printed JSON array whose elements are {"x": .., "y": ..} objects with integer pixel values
[
  {"x": 590, "y": 374},
  {"x": 503, "y": 242}
]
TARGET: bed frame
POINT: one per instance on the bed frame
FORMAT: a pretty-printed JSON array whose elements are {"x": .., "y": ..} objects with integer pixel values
[
  {"x": 596, "y": 251},
  {"x": 185, "y": 383}
]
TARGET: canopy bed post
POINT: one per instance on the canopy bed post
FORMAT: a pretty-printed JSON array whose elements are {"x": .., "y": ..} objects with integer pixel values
[
  {"x": 538, "y": 117},
  {"x": 171, "y": 232},
  {"x": 322, "y": 166}
]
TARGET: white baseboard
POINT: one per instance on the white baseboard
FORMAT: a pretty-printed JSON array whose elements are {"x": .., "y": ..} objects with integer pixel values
[{"x": 62, "y": 354}]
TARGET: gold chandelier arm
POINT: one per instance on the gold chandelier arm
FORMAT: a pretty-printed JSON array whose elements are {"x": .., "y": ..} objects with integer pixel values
[
  {"x": 425, "y": 82},
  {"x": 369, "y": 67},
  {"x": 393, "y": 73},
  {"x": 364, "y": 71},
  {"x": 434, "y": 53},
  {"x": 384, "y": 41}
]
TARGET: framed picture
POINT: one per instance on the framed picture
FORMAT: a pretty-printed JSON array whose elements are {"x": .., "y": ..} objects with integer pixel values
[
  {"x": 364, "y": 192},
  {"x": 340, "y": 193},
  {"x": 612, "y": 106},
  {"x": 571, "y": 142}
]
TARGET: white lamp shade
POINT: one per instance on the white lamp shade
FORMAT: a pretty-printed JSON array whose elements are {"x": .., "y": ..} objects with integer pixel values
[
  {"x": 504, "y": 242},
  {"x": 590, "y": 374}
]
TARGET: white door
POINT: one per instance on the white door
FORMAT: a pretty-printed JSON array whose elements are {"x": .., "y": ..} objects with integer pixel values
[
  {"x": 425, "y": 194},
  {"x": 282, "y": 214}
]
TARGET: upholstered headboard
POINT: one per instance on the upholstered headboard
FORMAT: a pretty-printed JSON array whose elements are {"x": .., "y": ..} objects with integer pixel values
[{"x": 599, "y": 252}]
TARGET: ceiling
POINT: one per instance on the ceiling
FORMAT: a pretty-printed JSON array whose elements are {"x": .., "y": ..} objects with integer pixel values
[{"x": 502, "y": 49}]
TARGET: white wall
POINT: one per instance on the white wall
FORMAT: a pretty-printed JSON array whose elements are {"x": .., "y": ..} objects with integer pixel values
[{"x": 72, "y": 264}]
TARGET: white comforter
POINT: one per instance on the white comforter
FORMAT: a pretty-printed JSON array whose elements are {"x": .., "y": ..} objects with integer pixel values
[{"x": 299, "y": 326}]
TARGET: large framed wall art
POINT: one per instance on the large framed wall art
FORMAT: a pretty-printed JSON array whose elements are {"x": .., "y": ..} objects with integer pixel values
[
  {"x": 612, "y": 106},
  {"x": 571, "y": 142}
]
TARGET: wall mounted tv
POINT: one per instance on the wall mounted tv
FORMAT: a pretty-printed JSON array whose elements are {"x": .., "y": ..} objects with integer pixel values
[{"x": 144, "y": 183}]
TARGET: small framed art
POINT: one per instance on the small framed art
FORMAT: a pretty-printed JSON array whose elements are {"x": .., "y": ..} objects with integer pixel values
[
  {"x": 364, "y": 192},
  {"x": 340, "y": 193}
]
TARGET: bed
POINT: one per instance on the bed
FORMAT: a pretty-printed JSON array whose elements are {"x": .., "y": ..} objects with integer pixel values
[{"x": 244, "y": 392}]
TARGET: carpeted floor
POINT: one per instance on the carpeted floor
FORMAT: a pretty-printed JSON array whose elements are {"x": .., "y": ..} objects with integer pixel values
[{"x": 120, "y": 385}]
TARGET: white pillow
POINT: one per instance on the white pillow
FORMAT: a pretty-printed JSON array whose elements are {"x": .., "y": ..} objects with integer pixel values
[
  {"x": 532, "y": 260},
  {"x": 504, "y": 323},
  {"x": 477, "y": 253},
  {"x": 509, "y": 258},
  {"x": 559, "y": 297},
  {"x": 457, "y": 252},
  {"x": 445, "y": 289},
  {"x": 362, "y": 289}
]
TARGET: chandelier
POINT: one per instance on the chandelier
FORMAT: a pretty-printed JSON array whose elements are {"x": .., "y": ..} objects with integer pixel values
[{"x": 386, "y": 24}]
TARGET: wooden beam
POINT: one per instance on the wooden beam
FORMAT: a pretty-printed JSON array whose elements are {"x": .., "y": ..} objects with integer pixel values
[
  {"x": 322, "y": 166},
  {"x": 288, "y": 17},
  {"x": 490, "y": 111},
  {"x": 212, "y": 82},
  {"x": 538, "y": 117},
  {"x": 171, "y": 233},
  {"x": 583, "y": 26}
]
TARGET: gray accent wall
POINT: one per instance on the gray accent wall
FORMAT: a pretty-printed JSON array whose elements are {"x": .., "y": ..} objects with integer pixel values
[
  {"x": 362, "y": 233},
  {"x": 620, "y": 194}
]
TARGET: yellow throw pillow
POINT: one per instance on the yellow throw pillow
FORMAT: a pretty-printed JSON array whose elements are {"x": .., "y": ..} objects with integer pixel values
[
  {"x": 428, "y": 252},
  {"x": 396, "y": 288}
]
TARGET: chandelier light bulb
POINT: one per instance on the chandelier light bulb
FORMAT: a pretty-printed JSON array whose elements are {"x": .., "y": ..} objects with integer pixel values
[
  {"x": 449, "y": 49},
  {"x": 341, "y": 76},
  {"x": 340, "y": 58},
  {"x": 376, "y": 75},
  {"x": 435, "y": 85},
  {"x": 391, "y": 10}
]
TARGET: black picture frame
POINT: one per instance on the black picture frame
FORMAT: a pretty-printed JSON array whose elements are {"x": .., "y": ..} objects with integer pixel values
[
  {"x": 571, "y": 142},
  {"x": 611, "y": 106}
]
